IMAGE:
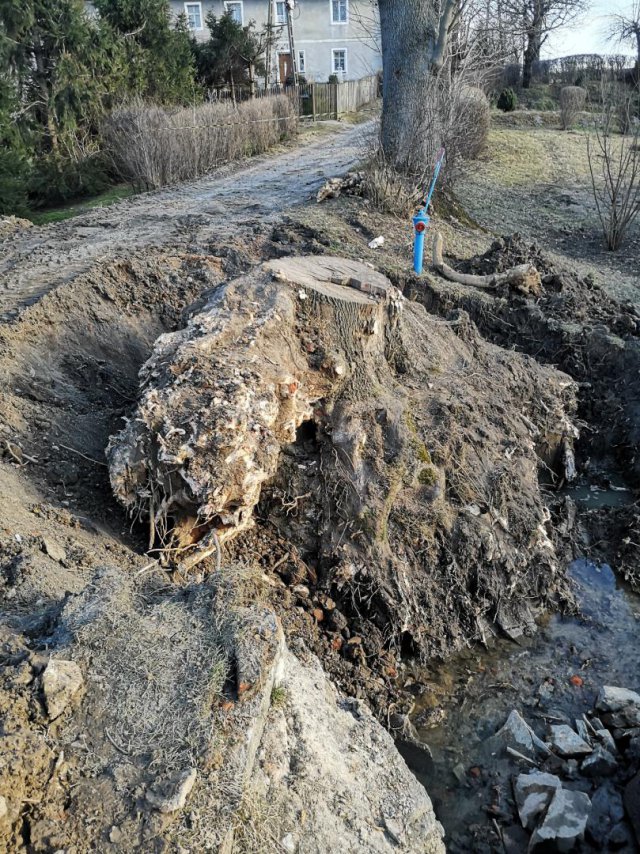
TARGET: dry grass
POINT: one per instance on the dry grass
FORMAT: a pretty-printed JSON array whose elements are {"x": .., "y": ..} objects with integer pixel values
[
  {"x": 159, "y": 664},
  {"x": 153, "y": 147}
]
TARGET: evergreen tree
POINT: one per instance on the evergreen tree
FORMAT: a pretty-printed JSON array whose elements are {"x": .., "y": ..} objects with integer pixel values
[
  {"x": 232, "y": 55},
  {"x": 159, "y": 57}
]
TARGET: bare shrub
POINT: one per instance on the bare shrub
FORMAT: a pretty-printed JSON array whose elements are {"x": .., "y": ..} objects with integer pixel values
[
  {"x": 572, "y": 102},
  {"x": 472, "y": 119},
  {"x": 153, "y": 147},
  {"x": 614, "y": 163},
  {"x": 389, "y": 190}
]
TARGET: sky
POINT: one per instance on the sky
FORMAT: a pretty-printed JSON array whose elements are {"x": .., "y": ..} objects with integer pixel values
[{"x": 589, "y": 33}]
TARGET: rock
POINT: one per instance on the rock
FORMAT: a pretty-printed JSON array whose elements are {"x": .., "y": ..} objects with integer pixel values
[
  {"x": 55, "y": 551},
  {"x": 616, "y": 699},
  {"x": 394, "y": 829},
  {"x": 533, "y": 793},
  {"x": 61, "y": 682},
  {"x": 632, "y": 804},
  {"x": 288, "y": 843},
  {"x": 567, "y": 742},
  {"x": 607, "y": 740},
  {"x": 600, "y": 764},
  {"x": 517, "y": 734},
  {"x": 564, "y": 823},
  {"x": 583, "y": 730},
  {"x": 607, "y": 811},
  {"x": 171, "y": 795}
]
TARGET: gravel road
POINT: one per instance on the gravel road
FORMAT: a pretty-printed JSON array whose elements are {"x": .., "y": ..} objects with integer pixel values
[{"x": 233, "y": 200}]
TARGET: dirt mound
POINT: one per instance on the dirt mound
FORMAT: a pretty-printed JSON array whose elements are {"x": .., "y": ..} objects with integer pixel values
[
  {"x": 408, "y": 492},
  {"x": 567, "y": 296}
]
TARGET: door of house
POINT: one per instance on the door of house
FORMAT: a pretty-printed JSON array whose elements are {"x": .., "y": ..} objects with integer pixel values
[{"x": 286, "y": 66}]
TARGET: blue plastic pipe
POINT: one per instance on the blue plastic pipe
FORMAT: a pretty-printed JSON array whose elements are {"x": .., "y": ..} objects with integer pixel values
[
  {"x": 420, "y": 223},
  {"x": 421, "y": 219}
]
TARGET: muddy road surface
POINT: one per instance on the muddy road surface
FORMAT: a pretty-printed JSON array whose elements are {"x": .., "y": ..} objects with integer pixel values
[{"x": 235, "y": 202}]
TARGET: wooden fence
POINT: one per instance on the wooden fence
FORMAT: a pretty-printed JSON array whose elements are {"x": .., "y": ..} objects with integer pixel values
[{"x": 315, "y": 101}]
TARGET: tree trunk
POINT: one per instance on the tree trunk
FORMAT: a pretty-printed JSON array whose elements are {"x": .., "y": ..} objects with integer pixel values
[
  {"x": 408, "y": 33},
  {"x": 531, "y": 52}
]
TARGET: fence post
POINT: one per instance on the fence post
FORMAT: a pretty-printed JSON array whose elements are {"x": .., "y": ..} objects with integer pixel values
[
  {"x": 334, "y": 99},
  {"x": 313, "y": 100}
]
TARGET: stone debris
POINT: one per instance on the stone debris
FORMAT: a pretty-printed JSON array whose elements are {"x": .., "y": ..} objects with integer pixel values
[
  {"x": 517, "y": 734},
  {"x": 350, "y": 184},
  {"x": 567, "y": 742},
  {"x": 599, "y": 764},
  {"x": 569, "y": 799},
  {"x": 171, "y": 795},
  {"x": 55, "y": 551},
  {"x": 533, "y": 793},
  {"x": 607, "y": 811},
  {"x": 616, "y": 699},
  {"x": 564, "y": 823},
  {"x": 632, "y": 804},
  {"x": 61, "y": 682}
]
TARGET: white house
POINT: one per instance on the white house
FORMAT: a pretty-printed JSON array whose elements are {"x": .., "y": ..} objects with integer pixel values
[{"x": 338, "y": 37}]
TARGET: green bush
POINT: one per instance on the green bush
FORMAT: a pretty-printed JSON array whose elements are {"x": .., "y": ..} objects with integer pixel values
[
  {"x": 508, "y": 101},
  {"x": 55, "y": 181},
  {"x": 14, "y": 179}
]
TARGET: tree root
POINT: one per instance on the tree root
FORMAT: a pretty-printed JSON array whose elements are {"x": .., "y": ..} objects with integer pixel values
[{"x": 523, "y": 278}]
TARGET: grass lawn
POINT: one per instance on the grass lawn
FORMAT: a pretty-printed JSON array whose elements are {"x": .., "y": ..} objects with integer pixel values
[{"x": 113, "y": 194}]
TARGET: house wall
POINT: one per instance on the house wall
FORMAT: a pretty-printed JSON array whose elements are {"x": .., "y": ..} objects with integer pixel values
[{"x": 314, "y": 33}]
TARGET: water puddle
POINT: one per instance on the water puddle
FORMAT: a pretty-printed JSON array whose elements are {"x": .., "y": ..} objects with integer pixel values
[{"x": 550, "y": 678}]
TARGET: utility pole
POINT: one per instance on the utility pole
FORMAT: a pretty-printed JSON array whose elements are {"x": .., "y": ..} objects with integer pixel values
[
  {"x": 290, "y": 6},
  {"x": 267, "y": 74}
]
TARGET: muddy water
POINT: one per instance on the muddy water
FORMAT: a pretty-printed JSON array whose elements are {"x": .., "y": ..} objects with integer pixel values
[{"x": 460, "y": 704}]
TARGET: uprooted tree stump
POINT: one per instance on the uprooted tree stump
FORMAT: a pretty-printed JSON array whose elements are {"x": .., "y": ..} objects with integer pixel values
[
  {"x": 395, "y": 452},
  {"x": 221, "y": 396},
  {"x": 524, "y": 278}
]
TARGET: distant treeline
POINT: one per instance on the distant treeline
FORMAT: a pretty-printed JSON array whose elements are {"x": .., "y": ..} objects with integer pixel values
[{"x": 575, "y": 70}]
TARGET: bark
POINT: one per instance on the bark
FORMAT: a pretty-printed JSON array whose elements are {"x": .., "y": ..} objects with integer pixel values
[
  {"x": 413, "y": 48},
  {"x": 531, "y": 54}
]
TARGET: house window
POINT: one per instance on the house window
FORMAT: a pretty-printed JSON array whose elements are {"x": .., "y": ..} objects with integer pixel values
[
  {"x": 301, "y": 67},
  {"x": 281, "y": 13},
  {"x": 235, "y": 10},
  {"x": 339, "y": 11},
  {"x": 193, "y": 11},
  {"x": 339, "y": 61}
]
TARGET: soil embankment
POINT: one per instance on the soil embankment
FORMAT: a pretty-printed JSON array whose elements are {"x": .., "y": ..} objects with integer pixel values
[{"x": 382, "y": 478}]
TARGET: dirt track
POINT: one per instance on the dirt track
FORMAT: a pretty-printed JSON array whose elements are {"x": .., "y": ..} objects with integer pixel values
[{"x": 232, "y": 202}]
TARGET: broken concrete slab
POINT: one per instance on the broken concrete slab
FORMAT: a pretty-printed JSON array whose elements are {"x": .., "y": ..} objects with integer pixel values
[
  {"x": 61, "y": 682},
  {"x": 567, "y": 742},
  {"x": 612, "y": 699},
  {"x": 171, "y": 795},
  {"x": 564, "y": 823},
  {"x": 600, "y": 763},
  {"x": 533, "y": 793}
]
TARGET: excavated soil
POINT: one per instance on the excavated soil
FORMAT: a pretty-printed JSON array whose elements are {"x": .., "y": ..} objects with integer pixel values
[{"x": 459, "y": 484}]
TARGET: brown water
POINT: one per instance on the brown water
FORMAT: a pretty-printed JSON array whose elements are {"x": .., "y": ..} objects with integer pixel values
[{"x": 476, "y": 691}]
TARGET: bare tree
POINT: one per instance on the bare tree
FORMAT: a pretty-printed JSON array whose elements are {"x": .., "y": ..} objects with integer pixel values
[
  {"x": 626, "y": 29},
  {"x": 536, "y": 20}
]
